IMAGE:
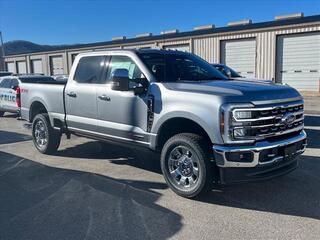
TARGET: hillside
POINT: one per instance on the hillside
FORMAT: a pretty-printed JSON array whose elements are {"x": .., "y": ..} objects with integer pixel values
[{"x": 21, "y": 46}]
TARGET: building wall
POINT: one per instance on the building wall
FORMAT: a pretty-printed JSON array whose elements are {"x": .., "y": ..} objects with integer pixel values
[{"x": 207, "y": 47}]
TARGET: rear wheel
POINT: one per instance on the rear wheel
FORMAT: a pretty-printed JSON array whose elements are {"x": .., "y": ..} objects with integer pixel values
[
  {"x": 45, "y": 138},
  {"x": 186, "y": 166},
  {"x": 1, "y": 114}
]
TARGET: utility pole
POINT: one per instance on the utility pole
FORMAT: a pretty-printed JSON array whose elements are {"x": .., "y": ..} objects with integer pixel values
[{"x": 3, "y": 53}]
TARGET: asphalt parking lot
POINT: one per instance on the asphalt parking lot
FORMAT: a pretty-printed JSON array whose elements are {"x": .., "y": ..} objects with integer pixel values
[{"x": 102, "y": 191}]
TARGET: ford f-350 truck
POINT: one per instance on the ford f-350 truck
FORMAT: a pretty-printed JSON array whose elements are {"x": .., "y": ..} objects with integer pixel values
[{"x": 208, "y": 128}]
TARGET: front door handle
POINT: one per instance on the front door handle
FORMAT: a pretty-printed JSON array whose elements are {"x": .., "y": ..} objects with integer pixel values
[
  {"x": 104, "y": 98},
  {"x": 72, "y": 94}
]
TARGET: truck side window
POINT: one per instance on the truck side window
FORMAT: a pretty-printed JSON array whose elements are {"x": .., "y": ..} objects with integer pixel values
[
  {"x": 126, "y": 63},
  {"x": 89, "y": 69}
]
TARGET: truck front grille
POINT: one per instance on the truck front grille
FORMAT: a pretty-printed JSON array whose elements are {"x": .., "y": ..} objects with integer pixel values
[{"x": 269, "y": 121}]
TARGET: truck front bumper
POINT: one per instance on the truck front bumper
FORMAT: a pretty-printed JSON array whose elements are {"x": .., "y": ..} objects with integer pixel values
[
  {"x": 262, "y": 160},
  {"x": 262, "y": 153}
]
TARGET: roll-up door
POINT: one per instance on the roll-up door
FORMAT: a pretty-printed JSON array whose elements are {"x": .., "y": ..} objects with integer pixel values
[
  {"x": 36, "y": 66},
  {"x": 21, "y": 67},
  {"x": 240, "y": 55},
  {"x": 56, "y": 65},
  {"x": 298, "y": 61},
  {"x": 10, "y": 67}
]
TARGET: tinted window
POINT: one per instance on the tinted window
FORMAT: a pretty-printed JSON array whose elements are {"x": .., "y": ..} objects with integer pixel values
[
  {"x": 123, "y": 62},
  {"x": 89, "y": 69},
  {"x": 225, "y": 69},
  {"x": 5, "y": 83},
  {"x": 175, "y": 67},
  {"x": 14, "y": 83}
]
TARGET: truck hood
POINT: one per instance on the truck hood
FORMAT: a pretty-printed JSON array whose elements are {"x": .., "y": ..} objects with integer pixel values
[{"x": 237, "y": 90}]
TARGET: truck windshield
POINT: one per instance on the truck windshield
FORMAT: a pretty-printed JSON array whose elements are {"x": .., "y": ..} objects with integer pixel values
[{"x": 174, "y": 67}]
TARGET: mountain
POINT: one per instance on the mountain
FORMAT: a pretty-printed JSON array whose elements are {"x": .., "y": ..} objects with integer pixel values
[{"x": 21, "y": 46}]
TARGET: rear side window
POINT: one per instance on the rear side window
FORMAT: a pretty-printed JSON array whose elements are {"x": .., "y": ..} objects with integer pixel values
[{"x": 89, "y": 69}]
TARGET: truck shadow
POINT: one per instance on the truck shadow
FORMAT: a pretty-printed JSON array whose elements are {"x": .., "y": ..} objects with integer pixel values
[
  {"x": 67, "y": 204},
  {"x": 12, "y": 137},
  {"x": 313, "y": 138},
  {"x": 138, "y": 158},
  {"x": 295, "y": 194},
  {"x": 312, "y": 120}
]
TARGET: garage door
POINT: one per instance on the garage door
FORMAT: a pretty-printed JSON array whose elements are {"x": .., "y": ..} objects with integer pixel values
[
  {"x": 56, "y": 65},
  {"x": 240, "y": 55},
  {"x": 298, "y": 61},
  {"x": 36, "y": 66},
  {"x": 10, "y": 67},
  {"x": 180, "y": 47},
  {"x": 21, "y": 67}
]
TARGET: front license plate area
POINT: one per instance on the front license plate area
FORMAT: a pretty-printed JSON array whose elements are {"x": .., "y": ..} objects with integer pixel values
[{"x": 289, "y": 151}]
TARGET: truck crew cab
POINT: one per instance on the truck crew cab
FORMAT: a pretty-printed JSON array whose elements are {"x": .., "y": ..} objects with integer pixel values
[{"x": 207, "y": 127}]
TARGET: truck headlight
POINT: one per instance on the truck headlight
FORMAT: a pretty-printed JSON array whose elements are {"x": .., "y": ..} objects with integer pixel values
[{"x": 242, "y": 114}]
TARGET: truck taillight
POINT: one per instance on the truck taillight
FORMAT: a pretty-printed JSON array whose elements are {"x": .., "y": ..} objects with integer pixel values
[{"x": 18, "y": 97}]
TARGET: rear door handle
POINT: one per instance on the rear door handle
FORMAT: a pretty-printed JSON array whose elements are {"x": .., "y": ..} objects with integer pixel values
[
  {"x": 72, "y": 94},
  {"x": 104, "y": 98}
]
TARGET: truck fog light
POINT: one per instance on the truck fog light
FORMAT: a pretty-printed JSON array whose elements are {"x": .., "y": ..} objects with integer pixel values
[
  {"x": 239, "y": 156},
  {"x": 239, "y": 132},
  {"x": 242, "y": 114}
]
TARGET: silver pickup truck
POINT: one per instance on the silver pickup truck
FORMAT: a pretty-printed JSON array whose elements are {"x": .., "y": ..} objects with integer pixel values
[{"x": 208, "y": 128}]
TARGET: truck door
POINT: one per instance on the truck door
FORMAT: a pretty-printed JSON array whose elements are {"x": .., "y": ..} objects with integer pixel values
[
  {"x": 80, "y": 94},
  {"x": 122, "y": 114}
]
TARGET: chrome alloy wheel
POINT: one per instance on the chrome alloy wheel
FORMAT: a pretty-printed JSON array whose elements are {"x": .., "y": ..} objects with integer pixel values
[
  {"x": 183, "y": 165},
  {"x": 40, "y": 134}
]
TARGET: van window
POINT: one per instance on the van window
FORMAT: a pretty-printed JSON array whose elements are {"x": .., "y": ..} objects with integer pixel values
[
  {"x": 6, "y": 83},
  {"x": 89, "y": 69}
]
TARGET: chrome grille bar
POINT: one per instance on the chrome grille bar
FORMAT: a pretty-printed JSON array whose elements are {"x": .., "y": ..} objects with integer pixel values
[{"x": 268, "y": 121}]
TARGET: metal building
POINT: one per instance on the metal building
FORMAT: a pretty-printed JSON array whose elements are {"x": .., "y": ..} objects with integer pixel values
[{"x": 286, "y": 50}]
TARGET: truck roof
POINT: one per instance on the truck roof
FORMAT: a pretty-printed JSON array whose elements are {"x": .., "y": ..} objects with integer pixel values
[{"x": 151, "y": 50}]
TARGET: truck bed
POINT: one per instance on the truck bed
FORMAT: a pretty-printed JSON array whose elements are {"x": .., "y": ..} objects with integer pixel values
[{"x": 49, "y": 94}]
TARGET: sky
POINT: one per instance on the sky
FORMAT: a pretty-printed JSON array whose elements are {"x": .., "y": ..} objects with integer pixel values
[{"x": 83, "y": 21}]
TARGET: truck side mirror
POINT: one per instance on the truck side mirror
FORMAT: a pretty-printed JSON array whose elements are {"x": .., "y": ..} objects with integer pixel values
[{"x": 120, "y": 79}]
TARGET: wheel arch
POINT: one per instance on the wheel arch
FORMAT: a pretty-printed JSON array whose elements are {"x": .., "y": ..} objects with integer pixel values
[
  {"x": 36, "y": 108},
  {"x": 175, "y": 125}
]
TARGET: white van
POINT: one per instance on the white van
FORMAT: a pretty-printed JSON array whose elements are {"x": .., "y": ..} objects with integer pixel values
[
  {"x": 10, "y": 91},
  {"x": 9, "y": 98}
]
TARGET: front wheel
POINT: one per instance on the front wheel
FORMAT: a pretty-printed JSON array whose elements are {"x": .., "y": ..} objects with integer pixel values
[
  {"x": 186, "y": 166},
  {"x": 45, "y": 138}
]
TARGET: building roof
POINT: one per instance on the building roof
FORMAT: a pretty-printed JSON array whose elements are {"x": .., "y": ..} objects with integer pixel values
[{"x": 253, "y": 26}]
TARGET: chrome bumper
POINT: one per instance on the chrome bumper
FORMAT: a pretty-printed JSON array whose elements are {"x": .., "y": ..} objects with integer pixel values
[{"x": 220, "y": 152}]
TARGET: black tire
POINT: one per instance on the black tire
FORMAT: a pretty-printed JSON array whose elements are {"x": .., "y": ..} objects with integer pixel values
[
  {"x": 196, "y": 147},
  {"x": 51, "y": 136},
  {"x": 1, "y": 114}
]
